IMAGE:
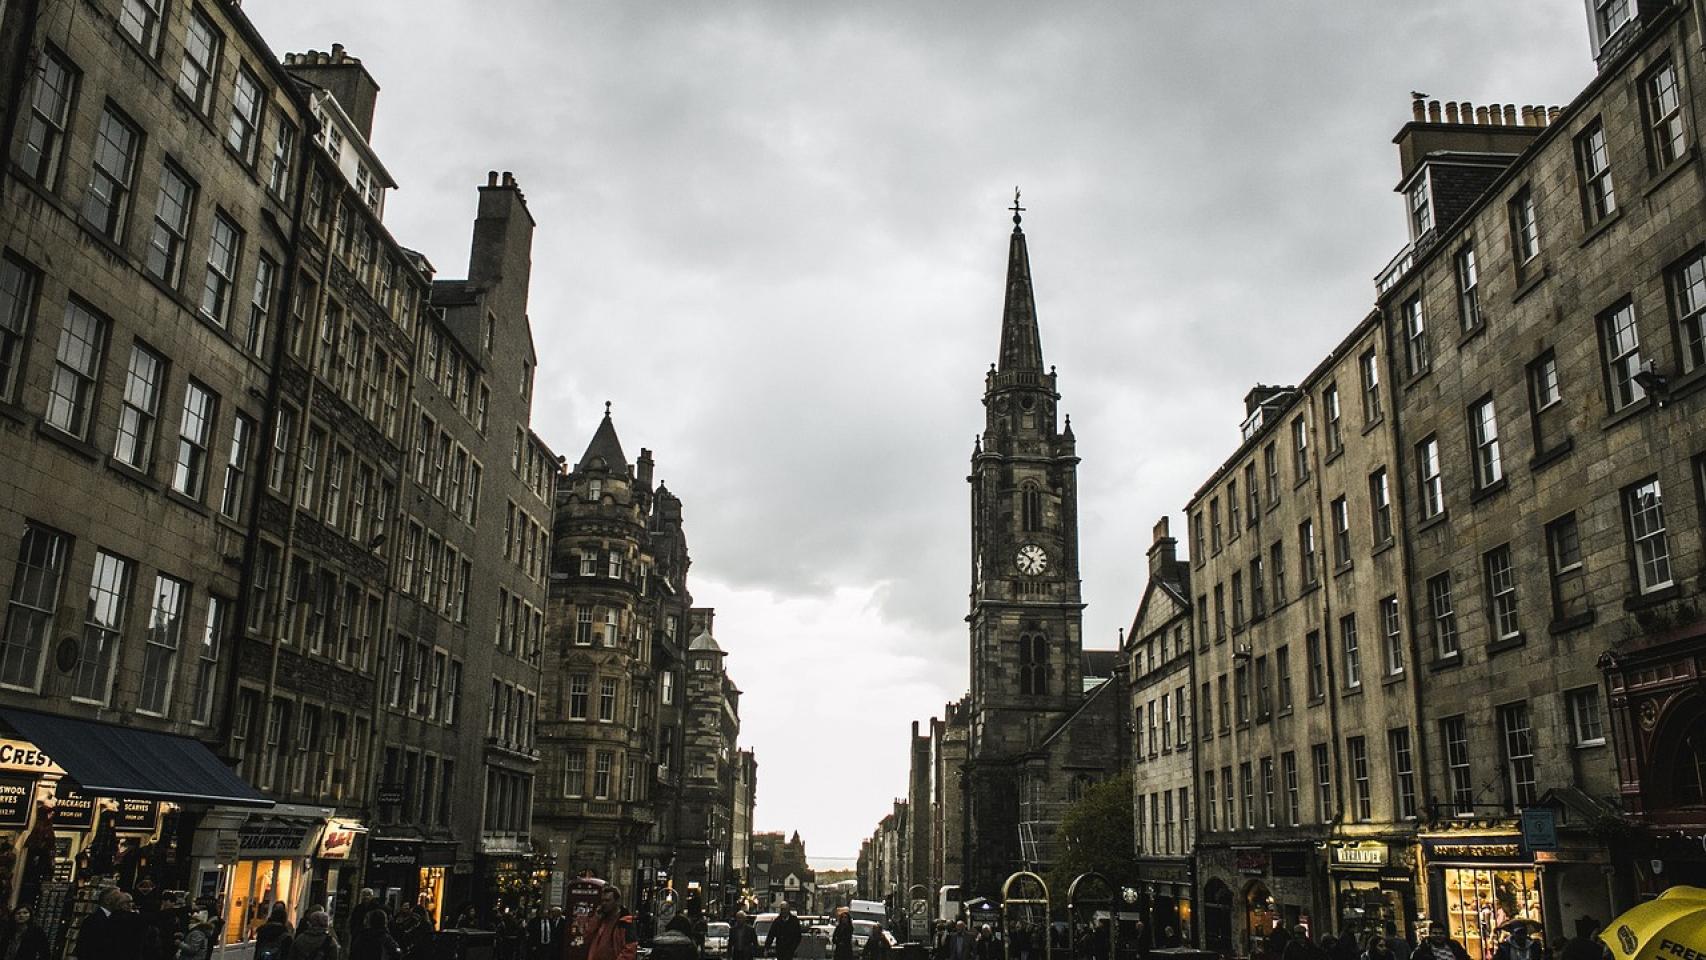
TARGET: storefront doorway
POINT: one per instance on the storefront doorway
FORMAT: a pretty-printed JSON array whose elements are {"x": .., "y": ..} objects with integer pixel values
[{"x": 1217, "y": 917}]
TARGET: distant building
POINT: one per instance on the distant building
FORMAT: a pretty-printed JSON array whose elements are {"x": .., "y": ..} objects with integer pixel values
[{"x": 780, "y": 872}]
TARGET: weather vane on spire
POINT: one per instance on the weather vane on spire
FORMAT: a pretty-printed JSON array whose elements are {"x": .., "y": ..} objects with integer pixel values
[{"x": 1015, "y": 207}]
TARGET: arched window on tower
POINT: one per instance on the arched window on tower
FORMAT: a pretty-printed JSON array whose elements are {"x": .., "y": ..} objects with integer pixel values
[
  {"x": 1079, "y": 786},
  {"x": 1031, "y": 507},
  {"x": 1033, "y": 663}
]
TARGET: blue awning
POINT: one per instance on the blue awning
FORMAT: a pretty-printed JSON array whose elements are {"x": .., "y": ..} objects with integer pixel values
[{"x": 109, "y": 760}]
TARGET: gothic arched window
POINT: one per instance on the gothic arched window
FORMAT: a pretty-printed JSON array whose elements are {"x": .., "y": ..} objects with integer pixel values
[
  {"x": 1031, "y": 508},
  {"x": 1033, "y": 663}
]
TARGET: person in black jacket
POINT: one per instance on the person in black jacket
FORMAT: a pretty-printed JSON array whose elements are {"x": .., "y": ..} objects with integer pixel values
[
  {"x": 784, "y": 936},
  {"x": 373, "y": 941},
  {"x": 877, "y": 944},
  {"x": 842, "y": 938},
  {"x": 101, "y": 934},
  {"x": 743, "y": 940}
]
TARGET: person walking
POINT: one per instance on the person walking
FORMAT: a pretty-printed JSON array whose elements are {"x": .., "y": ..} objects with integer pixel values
[
  {"x": 1521, "y": 945},
  {"x": 1378, "y": 948},
  {"x": 373, "y": 941},
  {"x": 413, "y": 934},
  {"x": 1439, "y": 946},
  {"x": 610, "y": 929},
  {"x": 743, "y": 940},
  {"x": 99, "y": 935},
  {"x": 314, "y": 941},
  {"x": 985, "y": 947},
  {"x": 366, "y": 902},
  {"x": 273, "y": 936},
  {"x": 26, "y": 940},
  {"x": 784, "y": 936},
  {"x": 842, "y": 938},
  {"x": 544, "y": 935},
  {"x": 197, "y": 943},
  {"x": 877, "y": 944}
]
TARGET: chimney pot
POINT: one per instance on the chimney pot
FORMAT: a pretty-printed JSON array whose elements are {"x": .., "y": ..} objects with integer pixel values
[
  {"x": 1527, "y": 113},
  {"x": 1418, "y": 109},
  {"x": 1433, "y": 111},
  {"x": 491, "y": 178},
  {"x": 1510, "y": 114},
  {"x": 1481, "y": 116},
  {"x": 1451, "y": 111},
  {"x": 1466, "y": 111}
]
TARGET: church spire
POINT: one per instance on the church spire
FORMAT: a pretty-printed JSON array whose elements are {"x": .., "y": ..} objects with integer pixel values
[{"x": 1021, "y": 348}]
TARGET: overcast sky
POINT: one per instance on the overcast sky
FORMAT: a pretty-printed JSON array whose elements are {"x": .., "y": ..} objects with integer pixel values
[{"x": 773, "y": 236}]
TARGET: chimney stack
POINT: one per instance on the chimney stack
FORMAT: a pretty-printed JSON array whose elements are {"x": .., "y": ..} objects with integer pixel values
[
  {"x": 344, "y": 78},
  {"x": 1163, "y": 551}
]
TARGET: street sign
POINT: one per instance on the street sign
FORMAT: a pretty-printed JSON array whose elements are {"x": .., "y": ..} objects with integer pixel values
[{"x": 1539, "y": 828}]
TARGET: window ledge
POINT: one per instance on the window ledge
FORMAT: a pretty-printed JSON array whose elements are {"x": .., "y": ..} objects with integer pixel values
[
  {"x": 1633, "y": 410},
  {"x": 132, "y": 473},
  {"x": 1392, "y": 678},
  {"x": 14, "y": 413},
  {"x": 1317, "y": 700},
  {"x": 1489, "y": 491},
  {"x": 1427, "y": 523},
  {"x": 1446, "y": 663},
  {"x": 1508, "y": 643},
  {"x": 1467, "y": 335},
  {"x": 1384, "y": 546},
  {"x": 1528, "y": 286},
  {"x": 1576, "y": 621},
  {"x": 76, "y": 445},
  {"x": 1417, "y": 377},
  {"x": 1308, "y": 588},
  {"x": 1687, "y": 383},
  {"x": 1301, "y": 481},
  {"x": 113, "y": 247},
  {"x": 187, "y": 502},
  {"x": 1597, "y": 230},
  {"x": 1349, "y": 692},
  {"x": 1646, "y": 601},
  {"x": 1546, "y": 458},
  {"x": 1662, "y": 177},
  {"x": 1370, "y": 426},
  {"x": 1334, "y": 454},
  {"x": 1343, "y": 568}
]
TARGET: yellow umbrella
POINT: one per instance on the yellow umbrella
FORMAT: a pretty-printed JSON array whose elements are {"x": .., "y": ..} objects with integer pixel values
[{"x": 1672, "y": 927}]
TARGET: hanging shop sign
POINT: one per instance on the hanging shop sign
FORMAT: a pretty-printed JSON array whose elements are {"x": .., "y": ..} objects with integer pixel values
[
  {"x": 1539, "y": 828},
  {"x": 15, "y": 795},
  {"x": 1362, "y": 854},
  {"x": 137, "y": 816},
  {"x": 338, "y": 840},
  {"x": 72, "y": 809}
]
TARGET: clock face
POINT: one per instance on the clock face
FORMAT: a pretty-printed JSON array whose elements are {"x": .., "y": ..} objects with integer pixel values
[{"x": 1031, "y": 560}]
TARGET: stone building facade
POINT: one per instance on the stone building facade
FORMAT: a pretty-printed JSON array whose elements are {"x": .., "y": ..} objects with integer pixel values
[
  {"x": 1158, "y": 661},
  {"x": 638, "y": 747},
  {"x": 151, "y": 219},
  {"x": 1551, "y": 449}
]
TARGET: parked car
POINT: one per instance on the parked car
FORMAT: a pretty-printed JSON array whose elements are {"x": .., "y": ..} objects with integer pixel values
[
  {"x": 761, "y": 927},
  {"x": 716, "y": 940}
]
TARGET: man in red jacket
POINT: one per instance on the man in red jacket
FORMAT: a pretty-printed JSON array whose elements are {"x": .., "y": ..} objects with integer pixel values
[{"x": 610, "y": 931}]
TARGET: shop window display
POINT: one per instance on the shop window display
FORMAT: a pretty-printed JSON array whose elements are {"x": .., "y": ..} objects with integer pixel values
[
  {"x": 255, "y": 886},
  {"x": 1481, "y": 903}
]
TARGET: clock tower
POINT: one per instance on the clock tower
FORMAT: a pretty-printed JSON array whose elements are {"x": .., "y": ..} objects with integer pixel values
[{"x": 1026, "y": 663}]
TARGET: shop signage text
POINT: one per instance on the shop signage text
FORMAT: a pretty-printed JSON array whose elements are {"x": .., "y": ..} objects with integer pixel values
[
  {"x": 23, "y": 755},
  {"x": 1251, "y": 860},
  {"x": 73, "y": 810},
  {"x": 15, "y": 795},
  {"x": 1502, "y": 849},
  {"x": 1361, "y": 854},
  {"x": 390, "y": 853},
  {"x": 136, "y": 816},
  {"x": 336, "y": 842},
  {"x": 1540, "y": 828},
  {"x": 272, "y": 838}
]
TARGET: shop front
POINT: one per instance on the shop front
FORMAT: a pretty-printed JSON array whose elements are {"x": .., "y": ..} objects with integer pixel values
[
  {"x": 1478, "y": 885},
  {"x": 85, "y": 804},
  {"x": 1374, "y": 890},
  {"x": 411, "y": 870},
  {"x": 1251, "y": 891},
  {"x": 1164, "y": 888},
  {"x": 513, "y": 882},
  {"x": 275, "y": 864}
]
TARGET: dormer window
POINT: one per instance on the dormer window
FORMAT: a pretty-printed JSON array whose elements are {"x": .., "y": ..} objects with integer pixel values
[
  {"x": 1610, "y": 16},
  {"x": 1421, "y": 208},
  {"x": 335, "y": 144}
]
